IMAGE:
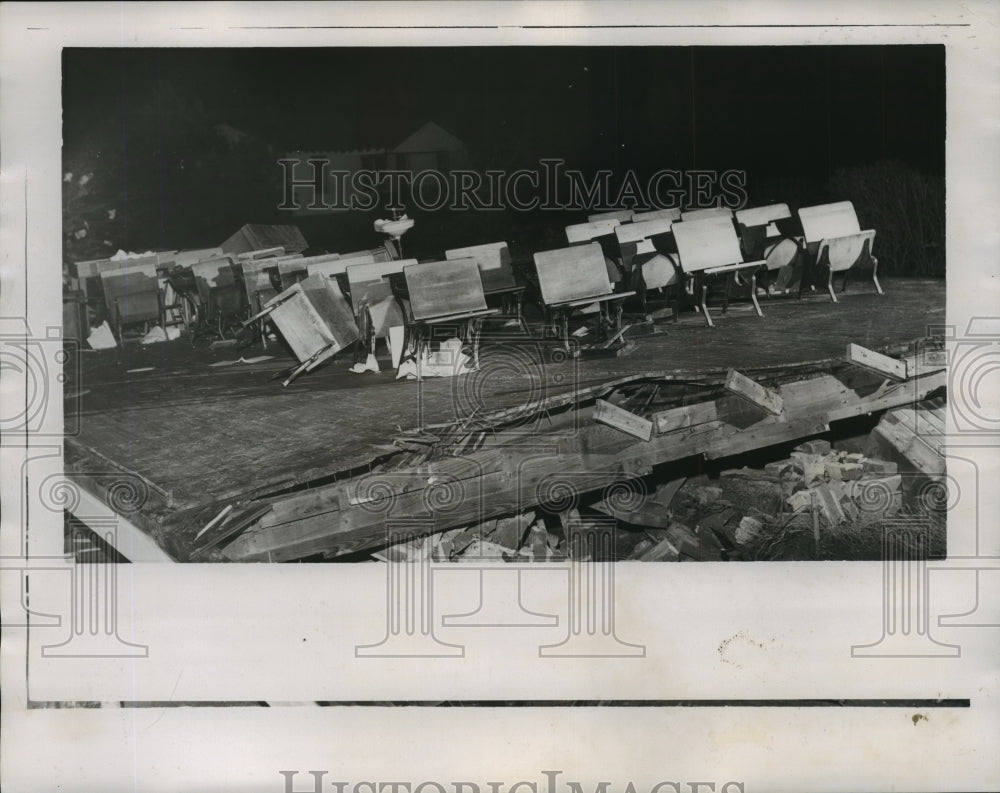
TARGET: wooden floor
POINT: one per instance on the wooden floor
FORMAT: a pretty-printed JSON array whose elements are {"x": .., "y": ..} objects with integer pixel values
[{"x": 199, "y": 435}]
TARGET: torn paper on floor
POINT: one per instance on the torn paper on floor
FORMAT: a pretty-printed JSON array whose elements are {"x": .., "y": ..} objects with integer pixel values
[
  {"x": 157, "y": 334},
  {"x": 370, "y": 365},
  {"x": 101, "y": 337},
  {"x": 447, "y": 361}
]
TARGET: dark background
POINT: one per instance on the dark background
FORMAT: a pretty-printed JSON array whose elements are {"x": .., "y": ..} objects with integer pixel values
[{"x": 183, "y": 143}]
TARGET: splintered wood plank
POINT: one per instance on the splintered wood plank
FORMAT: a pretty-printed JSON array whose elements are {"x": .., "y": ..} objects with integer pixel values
[
  {"x": 769, "y": 432},
  {"x": 516, "y": 479},
  {"x": 875, "y": 361},
  {"x": 622, "y": 419},
  {"x": 749, "y": 389},
  {"x": 893, "y": 396},
  {"x": 526, "y": 480}
]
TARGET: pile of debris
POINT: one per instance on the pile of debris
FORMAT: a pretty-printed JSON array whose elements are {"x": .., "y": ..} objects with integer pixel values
[
  {"x": 521, "y": 538},
  {"x": 819, "y": 496},
  {"x": 817, "y": 490},
  {"x": 819, "y": 502}
]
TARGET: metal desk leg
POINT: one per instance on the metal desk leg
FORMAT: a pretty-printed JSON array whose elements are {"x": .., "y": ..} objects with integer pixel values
[
  {"x": 704, "y": 305},
  {"x": 475, "y": 329},
  {"x": 418, "y": 338},
  {"x": 753, "y": 294},
  {"x": 829, "y": 287},
  {"x": 878, "y": 286}
]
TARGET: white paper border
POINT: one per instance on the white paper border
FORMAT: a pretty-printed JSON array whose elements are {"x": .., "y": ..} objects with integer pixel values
[{"x": 224, "y": 632}]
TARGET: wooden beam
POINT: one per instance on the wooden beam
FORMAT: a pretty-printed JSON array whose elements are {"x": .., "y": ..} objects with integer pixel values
[
  {"x": 623, "y": 420},
  {"x": 526, "y": 478},
  {"x": 751, "y": 390},
  {"x": 687, "y": 416},
  {"x": 876, "y": 362}
]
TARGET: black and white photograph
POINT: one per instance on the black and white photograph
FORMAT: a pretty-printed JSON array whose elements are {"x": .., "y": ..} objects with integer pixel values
[
  {"x": 480, "y": 397},
  {"x": 330, "y": 290}
]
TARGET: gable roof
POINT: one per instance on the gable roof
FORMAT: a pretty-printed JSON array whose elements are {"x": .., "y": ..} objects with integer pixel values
[{"x": 430, "y": 137}]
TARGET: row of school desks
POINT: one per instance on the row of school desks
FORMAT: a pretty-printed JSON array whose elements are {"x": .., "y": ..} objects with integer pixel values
[
  {"x": 664, "y": 246},
  {"x": 304, "y": 296},
  {"x": 687, "y": 250}
]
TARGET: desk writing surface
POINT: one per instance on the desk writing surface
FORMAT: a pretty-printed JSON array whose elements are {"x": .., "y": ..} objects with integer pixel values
[
  {"x": 331, "y": 268},
  {"x": 673, "y": 213},
  {"x": 582, "y": 232},
  {"x": 642, "y": 229},
  {"x": 706, "y": 243},
  {"x": 572, "y": 273},
  {"x": 369, "y": 281},
  {"x": 826, "y": 221},
  {"x": 130, "y": 279},
  {"x": 762, "y": 216},
  {"x": 621, "y": 215},
  {"x": 186, "y": 258},
  {"x": 494, "y": 263},
  {"x": 711, "y": 212},
  {"x": 444, "y": 288}
]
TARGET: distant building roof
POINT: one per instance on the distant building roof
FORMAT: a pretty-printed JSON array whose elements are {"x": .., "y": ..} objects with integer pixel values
[
  {"x": 430, "y": 137},
  {"x": 257, "y": 236}
]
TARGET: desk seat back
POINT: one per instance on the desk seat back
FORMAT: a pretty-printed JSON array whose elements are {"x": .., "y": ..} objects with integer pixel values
[{"x": 845, "y": 251}]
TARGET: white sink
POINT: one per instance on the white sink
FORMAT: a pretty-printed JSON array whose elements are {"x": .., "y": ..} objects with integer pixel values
[{"x": 394, "y": 228}]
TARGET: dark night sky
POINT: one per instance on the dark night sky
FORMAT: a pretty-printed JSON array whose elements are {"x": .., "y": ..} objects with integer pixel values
[{"x": 780, "y": 113}]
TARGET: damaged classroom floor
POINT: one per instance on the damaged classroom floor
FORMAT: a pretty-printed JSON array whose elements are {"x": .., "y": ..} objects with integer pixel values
[{"x": 759, "y": 438}]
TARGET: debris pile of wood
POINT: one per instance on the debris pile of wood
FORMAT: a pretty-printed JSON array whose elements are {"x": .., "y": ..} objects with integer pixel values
[
  {"x": 818, "y": 492},
  {"x": 607, "y": 439},
  {"x": 519, "y": 538}
]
